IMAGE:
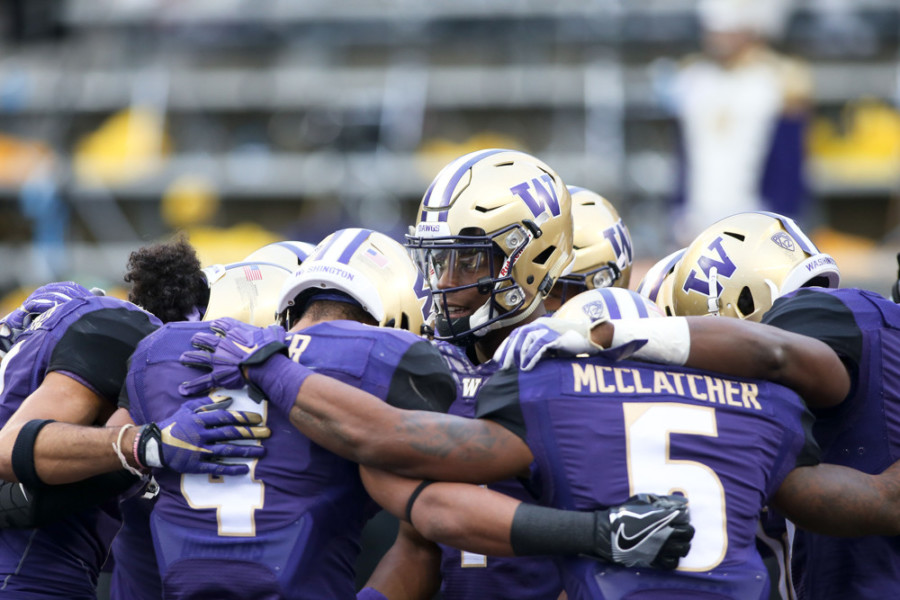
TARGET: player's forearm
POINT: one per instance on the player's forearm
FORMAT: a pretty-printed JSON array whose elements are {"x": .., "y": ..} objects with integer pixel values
[
  {"x": 839, "y": 501},
  {"x": 411, "y": 568},
  {"x": 738, "y": 348},
  {"x": 461, "y": 515},
  {"x": 362, "y": 428},
  {"x": 65, "y": 453}
]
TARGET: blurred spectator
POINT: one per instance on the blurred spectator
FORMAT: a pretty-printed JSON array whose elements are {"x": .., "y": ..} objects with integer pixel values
[{"x": 742, "y": 111}]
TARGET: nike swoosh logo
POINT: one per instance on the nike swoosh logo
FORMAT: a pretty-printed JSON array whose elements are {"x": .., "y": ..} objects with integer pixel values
[
  {"x": 246, "y": 349},
  {"x": 171, "y": 440},
  {"x": 626, "y": 538}
]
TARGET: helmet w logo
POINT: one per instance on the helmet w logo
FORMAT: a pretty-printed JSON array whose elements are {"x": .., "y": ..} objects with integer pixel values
[
  {"x": 717, "y": 258},
  {"x": 539, "y": 195},
  {"x": 423, "y": 294},
  {"x": 620, "y": 242}
]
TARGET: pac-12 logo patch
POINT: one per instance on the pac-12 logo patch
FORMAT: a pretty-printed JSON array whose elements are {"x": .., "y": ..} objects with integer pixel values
[{"x": 784, "y": 240}]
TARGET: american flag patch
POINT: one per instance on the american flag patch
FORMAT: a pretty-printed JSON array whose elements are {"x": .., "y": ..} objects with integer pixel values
[
  {"x": 377, "y": 257},
  {"x": 252, "y": 273}
]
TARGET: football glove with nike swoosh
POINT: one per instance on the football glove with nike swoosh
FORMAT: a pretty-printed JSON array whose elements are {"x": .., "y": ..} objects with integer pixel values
[
  {"x": 646, "y": 531},
  {"x": 228, "y": 347},
  {"x": 196, "y": 439}
]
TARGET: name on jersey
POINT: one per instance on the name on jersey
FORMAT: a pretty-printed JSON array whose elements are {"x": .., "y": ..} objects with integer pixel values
[{"x": 603, "y": 379}]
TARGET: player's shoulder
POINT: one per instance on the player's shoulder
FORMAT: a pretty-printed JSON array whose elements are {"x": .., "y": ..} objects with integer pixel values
[
  {"x": 831, "y": 305},
  {"x": 170, "y": 339},
  {"x": 380, "y": 336}
]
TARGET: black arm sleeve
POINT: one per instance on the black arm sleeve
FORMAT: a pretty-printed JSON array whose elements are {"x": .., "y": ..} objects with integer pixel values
[
  {"x": 96, "y": 348},
  {"x": 498, "y": 401},
  {"x": 422, "y": 381},
  {"x": 24, "y": 508}
]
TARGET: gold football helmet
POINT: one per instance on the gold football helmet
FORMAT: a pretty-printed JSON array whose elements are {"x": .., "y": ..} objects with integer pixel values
[
  {"x": 506, "y": 213},
  {"x": 246, "y": 291},
  {"x": 288, "y": 254},
  {"x": 618, "y": 303},
  {"x": 369, "y": 267},
  {"x": 602, "y": 247},
  {"x": 738, "y": 267},
  {"x": 656, "y": 285}
]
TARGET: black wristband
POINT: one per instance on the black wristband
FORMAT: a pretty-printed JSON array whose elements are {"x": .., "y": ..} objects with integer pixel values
[
  {"x": 414, "y": 496},
  {"x": 539, "y": 530},
  {"x": 23, "y": 453}
]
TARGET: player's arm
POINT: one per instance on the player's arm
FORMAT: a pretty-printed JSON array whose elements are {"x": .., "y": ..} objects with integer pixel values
[
  {"x": 736, "y": 347},
  {"x": 483, "y": 521},
  {"x": 362, "y": 428},
  {"x": 409, "y": 570},
  {"x": 350, "y": 422},
  {"x": 58, "y": 463},
  {"x": 840, "y": 501}
]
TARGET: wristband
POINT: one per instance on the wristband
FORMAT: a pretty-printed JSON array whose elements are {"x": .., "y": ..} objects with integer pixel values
[
  {"x": 137, "y": 458},
  {"x": 117, "y": 447},
  {"x": 668, "y": 339},
  {"x": 23, "y": 453},
  {"x": 414, "y": 496},
  {"x": 280, "y": 379},
  {"x": 539, "y": 530}
]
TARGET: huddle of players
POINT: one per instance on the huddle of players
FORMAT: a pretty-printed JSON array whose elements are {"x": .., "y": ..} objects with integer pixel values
[{"x": 494, "y": 235}]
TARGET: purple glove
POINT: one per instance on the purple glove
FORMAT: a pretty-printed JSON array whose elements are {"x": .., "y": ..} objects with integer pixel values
[
  {"x": 38, "y": 302},
  {"x": 225, "y": 350},
  {"x": 193, "y": 439}
]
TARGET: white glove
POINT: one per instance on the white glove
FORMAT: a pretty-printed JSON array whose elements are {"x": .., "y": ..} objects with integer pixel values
[{"x": 527, "y": 344}]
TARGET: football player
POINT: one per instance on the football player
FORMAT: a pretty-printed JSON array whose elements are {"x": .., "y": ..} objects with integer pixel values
[
  {"x": 776, "y": 275},
  {"x": 246, "y": 290},
  {"x": 602, "y": 247},
  {"x": 750, "y": 266},
  {"x": 77, "y": 349},
  {"x": 494, "y": 235}
]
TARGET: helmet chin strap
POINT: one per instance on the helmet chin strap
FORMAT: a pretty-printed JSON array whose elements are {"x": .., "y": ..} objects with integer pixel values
[{"x": 712, "y": 298}]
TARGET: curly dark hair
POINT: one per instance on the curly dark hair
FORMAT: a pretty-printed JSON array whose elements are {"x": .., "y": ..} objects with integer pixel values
[{"x": 166, "y": 280}]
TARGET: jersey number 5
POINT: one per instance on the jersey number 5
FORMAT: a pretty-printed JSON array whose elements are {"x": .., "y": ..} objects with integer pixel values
[{"x": 651, "y": 469}]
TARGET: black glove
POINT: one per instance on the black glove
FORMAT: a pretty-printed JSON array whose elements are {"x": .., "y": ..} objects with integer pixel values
[{"x": 645, "y": 531}]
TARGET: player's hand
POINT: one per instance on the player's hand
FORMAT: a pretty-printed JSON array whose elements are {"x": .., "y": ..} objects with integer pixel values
[
  {"x": 645, "y": 531},
  {"x": 526, "y": 345},
  {"x": 228, "y": 347},
  {"x": 196, "y": 439},
  {"x": 38, "y": 302}
]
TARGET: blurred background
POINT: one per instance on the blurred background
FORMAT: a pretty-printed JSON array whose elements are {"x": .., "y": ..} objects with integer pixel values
[{"x": 246, "y": 121}]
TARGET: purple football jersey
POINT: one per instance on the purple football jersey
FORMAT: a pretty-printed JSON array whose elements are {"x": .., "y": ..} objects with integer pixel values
[
  {"x": 863, "y": 432},
  {"x": 135, "y": 574},
  {"x": 466, "y": 575},
  {"x": 601, "y": 432},
  {"x": 291, "y": 526},
  {"x": 89, "y": 340}
]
